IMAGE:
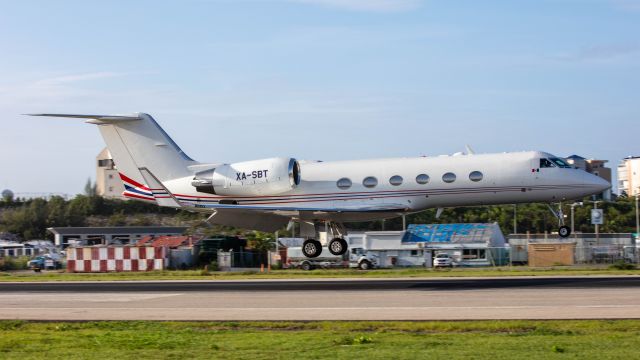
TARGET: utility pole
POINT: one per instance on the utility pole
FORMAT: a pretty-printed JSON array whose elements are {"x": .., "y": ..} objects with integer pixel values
[
  {"x": 573, "y": 229},
  {"x": 637, "y": 217},
  {"x": 515, "y": 218},
  {"x": 595, "y": 207}
]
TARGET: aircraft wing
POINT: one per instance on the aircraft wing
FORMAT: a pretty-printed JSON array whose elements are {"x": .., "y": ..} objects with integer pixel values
[
  {"x": 249, "y": 219},
  {"x": 270, "y": 219}
]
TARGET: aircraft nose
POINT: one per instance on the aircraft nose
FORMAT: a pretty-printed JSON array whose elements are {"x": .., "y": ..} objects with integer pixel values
[{"x": 597, "y": 183}]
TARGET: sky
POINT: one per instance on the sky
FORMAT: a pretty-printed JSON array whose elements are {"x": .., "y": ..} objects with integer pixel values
[{"x": 234, "y": 80}]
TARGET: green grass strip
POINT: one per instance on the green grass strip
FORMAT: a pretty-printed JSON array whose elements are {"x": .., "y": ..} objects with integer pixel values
[{"x": 618, "y": 339}]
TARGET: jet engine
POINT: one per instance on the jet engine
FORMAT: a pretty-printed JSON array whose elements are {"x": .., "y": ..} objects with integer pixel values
[{"x": 250, "y": 178}]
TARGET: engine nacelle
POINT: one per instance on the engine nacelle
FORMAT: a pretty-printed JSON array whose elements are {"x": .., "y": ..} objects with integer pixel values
[{"x": 258, "y": 177}]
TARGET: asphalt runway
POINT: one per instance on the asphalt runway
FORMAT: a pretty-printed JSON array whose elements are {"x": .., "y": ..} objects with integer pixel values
[{"x": 349, "y": 299}]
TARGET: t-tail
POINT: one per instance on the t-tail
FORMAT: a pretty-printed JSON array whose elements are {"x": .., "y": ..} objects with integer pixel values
[{"x": 137, "y": 141}]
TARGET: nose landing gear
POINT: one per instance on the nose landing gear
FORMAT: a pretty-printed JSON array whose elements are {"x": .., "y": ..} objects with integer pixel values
[{"x": 564, "y": 231}]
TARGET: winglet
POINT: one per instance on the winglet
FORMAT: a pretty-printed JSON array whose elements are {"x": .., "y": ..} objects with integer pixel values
[{"x": 162, "y": 195}]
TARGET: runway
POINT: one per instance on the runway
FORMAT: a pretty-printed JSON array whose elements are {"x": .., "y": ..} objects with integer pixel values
[{"x": 352, "y": 299}]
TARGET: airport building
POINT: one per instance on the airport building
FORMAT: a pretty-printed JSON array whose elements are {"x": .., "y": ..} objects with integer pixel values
[
  {"x": 629, "y": 176},
  {"x": 108, "y": 183},
  {"x": 467, "y": 244},
  {"x": 121, "y": 235}
]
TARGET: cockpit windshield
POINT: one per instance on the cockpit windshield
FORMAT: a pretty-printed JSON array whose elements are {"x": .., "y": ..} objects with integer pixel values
[
  {"x": 561, "y": 163},
  {"x": 553, "y": 162},
  {"x": 545, "y": 163}
]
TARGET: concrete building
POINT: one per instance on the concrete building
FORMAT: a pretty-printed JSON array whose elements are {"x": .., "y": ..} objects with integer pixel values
[
  {"x": 629, "y": 176},
  {"x": 122, "y": 235},
  {"x": 595, "y": 167},
  {"x": 29, "y": 248},
  {"x": 587, "y": 248},
  {"x": 108, "y": 183}
]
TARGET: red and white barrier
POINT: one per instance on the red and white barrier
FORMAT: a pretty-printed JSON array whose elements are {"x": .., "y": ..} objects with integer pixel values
[{"x": 116, "y": 259}]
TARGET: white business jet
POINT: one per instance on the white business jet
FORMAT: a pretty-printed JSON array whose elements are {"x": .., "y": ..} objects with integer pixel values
[{"x": 267, "y": 194}]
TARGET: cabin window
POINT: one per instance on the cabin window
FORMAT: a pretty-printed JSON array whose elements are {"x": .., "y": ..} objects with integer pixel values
[
  {"x": 370, "y": 182},
  {"x": 449, "y": 177},
  {"x": 344, "y": 183},
  {"x": 560, "y": 163},
  {"x": 545, "y": 163},
  {"x": 476, "y": 176},
  {"x": 422, "y": 179},
  {"x": 395, "y": 180}
]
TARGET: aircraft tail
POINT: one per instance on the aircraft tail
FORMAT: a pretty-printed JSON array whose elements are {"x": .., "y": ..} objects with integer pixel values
[{"x": 137, "y": 141}]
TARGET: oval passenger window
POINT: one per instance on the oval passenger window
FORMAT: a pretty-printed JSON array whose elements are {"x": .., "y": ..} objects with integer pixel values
[
  {"x": 344, "y": 183},
  {"x": 449, "y": 177}
]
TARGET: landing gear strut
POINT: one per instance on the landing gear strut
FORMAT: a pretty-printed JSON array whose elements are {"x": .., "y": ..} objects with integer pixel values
[{"x": 338, "y": 246}]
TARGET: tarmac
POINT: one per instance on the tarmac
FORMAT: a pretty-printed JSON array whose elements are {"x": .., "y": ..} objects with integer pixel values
[{"x": 594, "y": 297}]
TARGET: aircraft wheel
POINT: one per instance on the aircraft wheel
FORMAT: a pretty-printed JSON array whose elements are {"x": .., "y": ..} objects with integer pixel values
[
  {"x": 564, "y": 231},
  {"x": 338, "y": 246},
  {"x": 311, "y": 248}
]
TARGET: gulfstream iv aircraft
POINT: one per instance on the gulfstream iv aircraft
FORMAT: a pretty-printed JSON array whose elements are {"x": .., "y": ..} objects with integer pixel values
[{"x": 267, "y": 194}]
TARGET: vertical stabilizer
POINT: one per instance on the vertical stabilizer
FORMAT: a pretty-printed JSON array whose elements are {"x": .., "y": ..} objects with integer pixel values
[{"x": 137, "y": 141}]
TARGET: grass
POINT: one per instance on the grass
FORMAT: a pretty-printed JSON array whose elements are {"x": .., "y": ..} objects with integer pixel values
[
  {"x": 315, "y": 274},
  {"x": 321, "y": 340}
]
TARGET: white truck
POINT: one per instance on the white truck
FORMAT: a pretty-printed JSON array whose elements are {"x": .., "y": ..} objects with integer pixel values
[
  {"x": 326, "y": 260},
  {"x": 362, "y": 259}
]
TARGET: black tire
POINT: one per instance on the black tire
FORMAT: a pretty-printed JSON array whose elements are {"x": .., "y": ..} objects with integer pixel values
[
  {"x": 364, "y": 265},
  {"x": 338, "y": 246},
  {"x": 306, "y": 266},
  {"x": 311, "y": 248},
  {"x": 564, "y": 231}
]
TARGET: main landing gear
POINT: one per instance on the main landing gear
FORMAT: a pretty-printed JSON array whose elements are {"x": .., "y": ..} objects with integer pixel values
[
  {"x": 312, "y": 248},
  {"x": 338, "y": 246}
]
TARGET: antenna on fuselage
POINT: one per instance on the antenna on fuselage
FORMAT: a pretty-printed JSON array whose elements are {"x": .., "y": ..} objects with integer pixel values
[{"x": 469, "y": 150}]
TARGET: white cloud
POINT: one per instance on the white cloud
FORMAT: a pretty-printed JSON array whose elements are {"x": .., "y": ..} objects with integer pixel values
[
  {"x": 66, "y": 79},
  {"x": 601, "y": 52},
  {"x": 366, "y": 5},
  {"x": 629, "y": 5}
]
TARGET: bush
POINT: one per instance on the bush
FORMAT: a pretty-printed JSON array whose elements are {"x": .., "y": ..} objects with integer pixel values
[
  {"x": 621, "y": 265},
  {"x": 213, "y": 265},
  {"x": 358, "y": 340},
  {"x": 11, "y": 263}
]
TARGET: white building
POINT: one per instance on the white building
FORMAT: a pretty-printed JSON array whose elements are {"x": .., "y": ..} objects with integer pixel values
[
  {"x": 108, "y": 183},
  {"x": 595, "y": 167},
  {"x": 629, "y": 176},
  {"x": 467, "y": 244}
]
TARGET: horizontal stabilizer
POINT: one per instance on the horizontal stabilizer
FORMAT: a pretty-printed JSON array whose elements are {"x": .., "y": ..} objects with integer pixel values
[
  {"x": 95, "y": 119},
  {"x": 160, "y": 192}
]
